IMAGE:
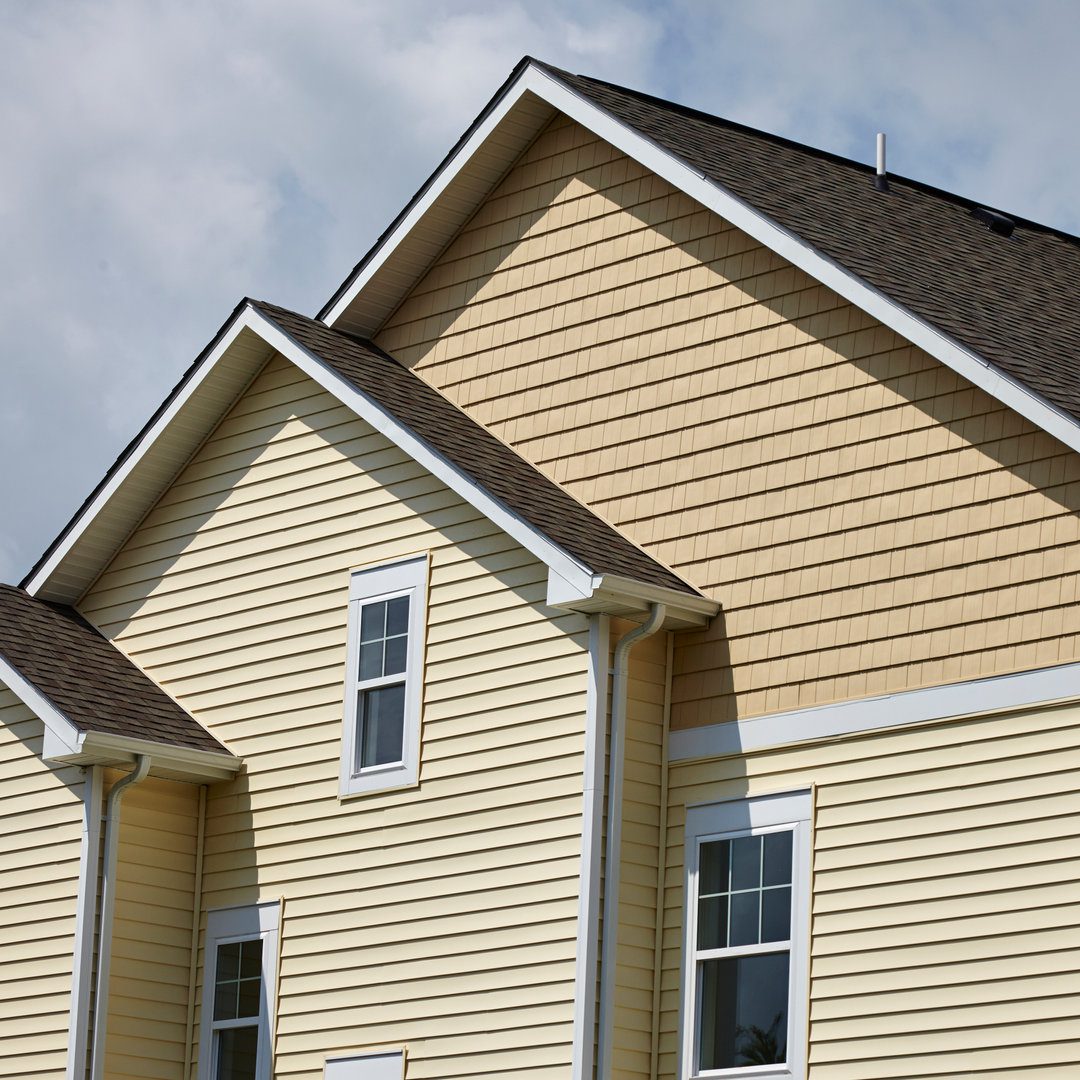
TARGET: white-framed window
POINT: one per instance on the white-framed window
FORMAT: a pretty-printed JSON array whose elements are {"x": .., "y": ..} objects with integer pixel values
[
  {"x": 380, "y": 745},
  {"x": 747, "y": 928},
  {"x": 239, "y": 992}
]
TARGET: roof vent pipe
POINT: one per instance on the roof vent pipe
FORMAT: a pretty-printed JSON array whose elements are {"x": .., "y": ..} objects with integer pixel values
[{"x": 881, "y": 181}]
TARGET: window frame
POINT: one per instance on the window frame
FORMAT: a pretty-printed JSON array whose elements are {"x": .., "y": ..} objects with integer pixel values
[
  {"x": 371, "y": 585},
  {"x": 791, "y": 810},
  {"x": 224, "y": 926}
]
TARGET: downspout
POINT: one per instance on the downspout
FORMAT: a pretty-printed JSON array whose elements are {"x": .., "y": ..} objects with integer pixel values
[
  {"x": 617, "y": 743},
  {"x": 108, "y": 903},
  {"x": 196, "y": 919},
  {"x": 661, "y": 868}
]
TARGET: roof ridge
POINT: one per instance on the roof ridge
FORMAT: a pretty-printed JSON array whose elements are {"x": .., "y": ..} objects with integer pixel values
[{"x": 691, "y": 112}]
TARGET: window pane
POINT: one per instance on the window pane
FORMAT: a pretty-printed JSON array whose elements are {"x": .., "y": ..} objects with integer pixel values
[
  {"x": 396, "y": 648},
  {"x": 382, "y": 725},
  {"x": 746, "y": 862},
  {"x": 251, "y": 959},
  {"x": 371, "y": 659},
  {"x": 228, "y": 961},
  {"x": 777, "y": 861},
  {"x": 248, "y": 997},
  {"x": 237, "y": 1053},
  {"x": 744, "y": 918},
  {"x": 712, "y": 922},
  {"x": 743, "y": 1011},
  {"x": 372, "y": 621},
  {"x": 713, "y": 874},
  {"x": 776, "y": 914},
  {"x": 397, "y": 616},
  {"x": 225, "y": 1001}
]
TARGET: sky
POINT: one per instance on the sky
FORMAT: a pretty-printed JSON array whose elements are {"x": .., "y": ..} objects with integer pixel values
[{"x": 162, "y": 160}]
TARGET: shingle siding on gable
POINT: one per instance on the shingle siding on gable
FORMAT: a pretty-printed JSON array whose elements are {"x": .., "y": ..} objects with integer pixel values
[
  {"x": 41, "y": 817},
  {"x": 445, "y": 916},
  {"x": 868, "y": 520}
]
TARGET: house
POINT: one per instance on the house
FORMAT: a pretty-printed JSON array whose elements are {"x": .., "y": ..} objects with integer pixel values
[{"x": 631, "y": 632}]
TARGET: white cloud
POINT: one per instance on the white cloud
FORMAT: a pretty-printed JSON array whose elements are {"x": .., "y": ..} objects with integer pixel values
[{"x": 162, "y": 160}]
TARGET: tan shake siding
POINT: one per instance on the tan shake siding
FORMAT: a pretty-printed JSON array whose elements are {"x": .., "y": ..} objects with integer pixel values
[
  {"x": 631, "y": 1055},
  {"x": 151, "y": 953},
  {"x": 442, "y": 917},
  {"x": 945, "y": 883},
  {"x": 41, "y": 818},
  {"x": 868, "y": 519}
]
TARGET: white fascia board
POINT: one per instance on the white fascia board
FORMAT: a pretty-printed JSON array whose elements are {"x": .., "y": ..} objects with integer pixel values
[
  {"x": 974, "y": 697},
  {"x": 577, "y": 576},
  {"x": 138, "y": 452},
  {"x": 62, "y": 737},
  {"x": 204, "y": 765},
  {"x": 419, "y": 208},
  {"x": 788, "y": 245}
]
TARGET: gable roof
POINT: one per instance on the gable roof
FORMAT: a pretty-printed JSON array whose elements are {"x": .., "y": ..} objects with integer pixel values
[
  {"x": 591, "y": 565},
  {"x": 70, "y": 676},
  {"x": 999, "y": 310}
]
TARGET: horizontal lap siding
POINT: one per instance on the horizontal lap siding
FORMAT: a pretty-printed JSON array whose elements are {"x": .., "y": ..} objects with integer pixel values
[
  {"x": 442, "y": 917},
  {"x": 41, "y": 821},
  {"x": 151, "y": 954},
  {"x": 946, "y": 896},
  {"x": 868, "y": 520}
]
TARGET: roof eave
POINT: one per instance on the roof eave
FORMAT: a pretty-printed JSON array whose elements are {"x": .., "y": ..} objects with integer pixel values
[{"x": 611, "y": 594}]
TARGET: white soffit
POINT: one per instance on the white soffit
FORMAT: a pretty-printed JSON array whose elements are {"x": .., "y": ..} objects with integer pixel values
[{"x": 426, "y": 228}]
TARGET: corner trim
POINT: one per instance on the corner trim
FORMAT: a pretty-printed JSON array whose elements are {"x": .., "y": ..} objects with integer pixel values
[{"x": 972, "y": 697}]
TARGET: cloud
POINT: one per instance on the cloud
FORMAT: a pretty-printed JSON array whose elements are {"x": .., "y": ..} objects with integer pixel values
[{"x": 163, "y": 160}]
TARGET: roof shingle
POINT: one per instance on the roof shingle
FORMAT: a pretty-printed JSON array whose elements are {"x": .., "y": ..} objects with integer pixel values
[{"x": 87, "y": 678}]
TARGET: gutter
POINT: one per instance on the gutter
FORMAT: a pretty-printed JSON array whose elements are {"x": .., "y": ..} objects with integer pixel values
[
  {"x": 108, "y": 903},
  {"x": 612, "y": 867}
]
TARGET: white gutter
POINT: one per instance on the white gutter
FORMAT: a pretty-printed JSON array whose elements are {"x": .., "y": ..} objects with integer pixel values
[
  {"x": 82, "y": 971},
  {"x": 108, "y": 903},
  {"x": 592, "y": 846},
  {"x": 608, "y": 954}
]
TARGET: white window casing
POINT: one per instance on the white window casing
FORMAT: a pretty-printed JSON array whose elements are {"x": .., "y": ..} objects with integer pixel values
[
  {"x": 732, "y": 971},
  {"x": 256, "y": 928},
  {"x": 384, "y": 677}
]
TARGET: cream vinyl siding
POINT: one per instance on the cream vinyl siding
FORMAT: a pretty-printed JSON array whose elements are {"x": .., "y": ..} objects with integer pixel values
[
  {"x": 868, "y": 520},
  {"x": 41, "y": 820},
  {"x": 945, "y": 909},
  {"x": 151, "y": 949},
  {"x": 441, "y": 917}
]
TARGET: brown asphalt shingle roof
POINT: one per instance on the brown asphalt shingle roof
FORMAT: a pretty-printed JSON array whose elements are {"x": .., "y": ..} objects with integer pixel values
[
  {"x": 1012, "y": 300},
  {"x": 474, "y": 450},
  {"x": 87, "y": 678}
]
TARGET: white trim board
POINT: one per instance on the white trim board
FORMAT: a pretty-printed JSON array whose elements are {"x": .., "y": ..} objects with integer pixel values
[
  {"x": 742, "y": 215},
  {"x": 999, "y": 693}
]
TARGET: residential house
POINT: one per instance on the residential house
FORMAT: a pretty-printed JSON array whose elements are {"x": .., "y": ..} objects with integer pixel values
[{"x": 630, "y": 632}]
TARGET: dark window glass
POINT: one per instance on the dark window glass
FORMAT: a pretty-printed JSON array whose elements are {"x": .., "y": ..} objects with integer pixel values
[
  {"x": 382, "y": 725},
  {"x": 712, "y": 922},
  {"x": 238, "y": 979},
  {"x": 776, "y": 864},
  {"x": 397, "y": 616},
  {"x": 384, "y": 638},
  {"x": 237, "y": 1053},
  {"x": 744, "y": 1006},
  {"x": 745, "y": 862},
  {"x": 745, "y": 914},
  {"x": 714, "y": 867},
  {"x": 776, "y": 914}
]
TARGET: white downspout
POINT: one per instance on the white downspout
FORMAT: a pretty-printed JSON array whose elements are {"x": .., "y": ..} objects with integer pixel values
[
  {"x": 108, "y": 902},
  {"x": 617, "y": 743}
]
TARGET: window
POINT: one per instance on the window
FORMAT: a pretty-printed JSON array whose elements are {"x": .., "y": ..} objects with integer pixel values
[
  {"x": 239, "y": 991},
  {"x": 383, "y": 684},
  {"x": 747, "y": 928}
]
